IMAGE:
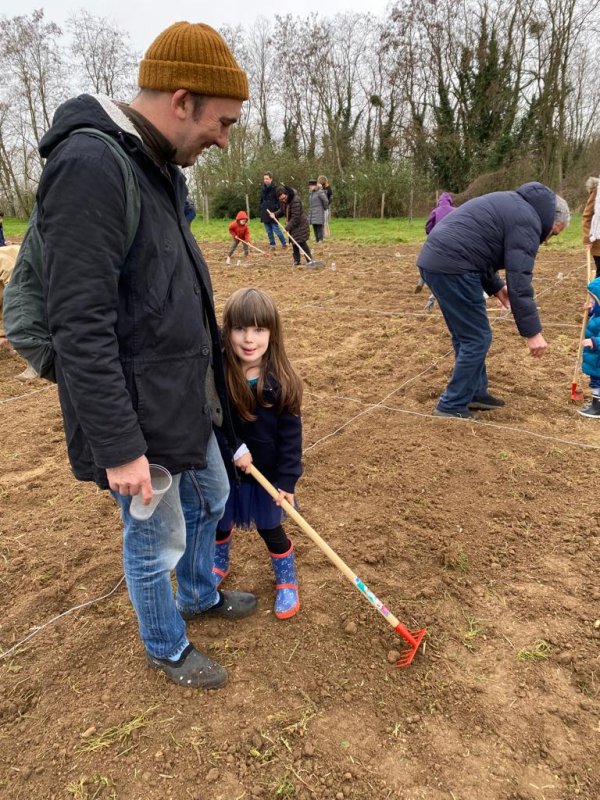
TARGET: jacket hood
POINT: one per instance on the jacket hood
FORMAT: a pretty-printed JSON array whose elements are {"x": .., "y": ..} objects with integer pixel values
[
  {"x": 543, "y": 201},
  {"x": 85, "y": 111},
  {"x": 593, "y": 288},
  {"x": 445, "y": 199},
  {"x": 241, "y": 215}
]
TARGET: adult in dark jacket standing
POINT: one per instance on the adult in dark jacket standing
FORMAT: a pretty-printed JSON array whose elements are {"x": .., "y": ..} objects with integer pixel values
[
  {"x": 137, "y": 345},
  {"x": 269, "y": 202},
  {"x": 501, "y": 230}
]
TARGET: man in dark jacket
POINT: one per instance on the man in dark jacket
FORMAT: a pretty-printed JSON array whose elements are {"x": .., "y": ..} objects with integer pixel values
[
  {"x": 501, "y": 230},
  {"x": 269, "y": 202},
  {"x": 136, "y": 340}
]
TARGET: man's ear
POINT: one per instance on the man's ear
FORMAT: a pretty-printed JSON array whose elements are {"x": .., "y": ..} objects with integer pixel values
[{"x": 181, "y": 104}]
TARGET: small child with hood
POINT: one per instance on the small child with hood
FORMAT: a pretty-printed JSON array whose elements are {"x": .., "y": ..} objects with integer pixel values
[
  {"x": 239, "y": 230},
  {"x": 591, "y": 350}
]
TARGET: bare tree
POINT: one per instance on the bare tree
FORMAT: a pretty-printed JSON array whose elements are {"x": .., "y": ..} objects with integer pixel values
[
  {"x": 103, "y": 55},
  {"x": 33, "y": 67}
]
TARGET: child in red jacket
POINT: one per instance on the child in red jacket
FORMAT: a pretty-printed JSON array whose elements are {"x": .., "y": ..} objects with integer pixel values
[{"x": 239, "y": 230}]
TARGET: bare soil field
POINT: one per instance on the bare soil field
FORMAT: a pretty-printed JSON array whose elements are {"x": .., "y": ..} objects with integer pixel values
[{"x": 485, "y": 532}]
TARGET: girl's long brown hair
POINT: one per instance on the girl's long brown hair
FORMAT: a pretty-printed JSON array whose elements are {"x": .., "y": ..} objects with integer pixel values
[{"x": 253, "y": 307}]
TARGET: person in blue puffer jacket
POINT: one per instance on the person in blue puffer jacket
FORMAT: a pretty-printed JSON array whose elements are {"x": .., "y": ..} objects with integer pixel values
[
  {"x": 462, "y": 256},
  {"x": 591, "y": 350}
]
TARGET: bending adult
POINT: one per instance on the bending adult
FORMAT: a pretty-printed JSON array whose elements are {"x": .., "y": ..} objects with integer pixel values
[
  {"x": 270, "y": 203},
  {"x": 135, "y": 334},
  {"x": 501, "y": 230}
]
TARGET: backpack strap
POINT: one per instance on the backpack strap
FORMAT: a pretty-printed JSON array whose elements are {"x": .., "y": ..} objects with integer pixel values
[
  {"x": 133, "y": 204},
  {"x": 25, "y": 320}
]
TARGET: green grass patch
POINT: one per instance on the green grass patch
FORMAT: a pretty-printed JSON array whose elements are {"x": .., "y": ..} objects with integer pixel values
[
  {"x": 536, "y": 652},
  {"x": 393, "y": 231}
]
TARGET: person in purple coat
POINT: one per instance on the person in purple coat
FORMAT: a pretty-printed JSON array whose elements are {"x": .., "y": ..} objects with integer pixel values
[{"x": 444, "y": 206}]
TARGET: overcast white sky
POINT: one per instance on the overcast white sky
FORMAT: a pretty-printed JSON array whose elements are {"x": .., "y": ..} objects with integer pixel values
[{"x": 143, "y": 20}]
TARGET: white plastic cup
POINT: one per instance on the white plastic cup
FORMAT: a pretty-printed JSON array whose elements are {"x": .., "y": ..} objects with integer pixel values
[{"x": 161, "y": 483}]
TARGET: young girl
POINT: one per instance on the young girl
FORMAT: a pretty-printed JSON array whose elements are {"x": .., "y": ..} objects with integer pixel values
[{"x": 265, "y": 395}]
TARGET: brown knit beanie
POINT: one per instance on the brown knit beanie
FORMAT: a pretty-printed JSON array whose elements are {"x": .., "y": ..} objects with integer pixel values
[{"x": 195, "y": 57}]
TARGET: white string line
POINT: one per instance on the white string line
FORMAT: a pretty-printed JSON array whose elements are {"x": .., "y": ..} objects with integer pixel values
[
  {"x": 407, "y": 382},
  {"x": 374, "y": 406},
  {"x": 28, "y": 394},
  {"x": 57, "y": 617},
  {"x": 428, "y": 314}
]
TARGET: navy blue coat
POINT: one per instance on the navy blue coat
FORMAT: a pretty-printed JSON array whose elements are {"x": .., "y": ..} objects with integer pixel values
[
  {"x": 134, "y": 332},
  {"x": 274, "y": 440},
  {"x": 500, "y": 230}
]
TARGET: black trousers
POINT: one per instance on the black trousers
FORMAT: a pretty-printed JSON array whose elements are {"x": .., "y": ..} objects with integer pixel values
[
  {"x": 296, "y": 252},
  {"x": 275, "y": 538}
]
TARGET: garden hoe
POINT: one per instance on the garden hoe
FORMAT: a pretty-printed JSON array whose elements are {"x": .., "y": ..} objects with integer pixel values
[
  {"x": 577, "y": 393},
  {"x": 311, "y": 263},
  {"x": 258, "y": 250},
  {"x": 413, "y": 638}
]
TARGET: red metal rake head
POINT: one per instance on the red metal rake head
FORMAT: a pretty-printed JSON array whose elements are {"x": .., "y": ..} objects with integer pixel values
[
  {"x": 414, "y": 639},
  {"x": 576, "y": 394}
]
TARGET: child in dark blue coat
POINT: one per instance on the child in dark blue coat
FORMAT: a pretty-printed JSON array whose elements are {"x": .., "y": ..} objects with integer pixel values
[
  {"x": 591, "y": 351},
  {"x": 265, "y": 394}
]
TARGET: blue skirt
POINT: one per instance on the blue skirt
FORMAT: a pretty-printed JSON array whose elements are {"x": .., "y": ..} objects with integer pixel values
[{"x": 249, "y": 505}]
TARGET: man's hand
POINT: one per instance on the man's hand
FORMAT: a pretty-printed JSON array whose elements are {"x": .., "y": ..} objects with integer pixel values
[
  {"x": 537, "y": 345},
  {"x": 131, "y": 479},
  {"x": 502, "y": 296},
  {"x": 271, "y": 214}
]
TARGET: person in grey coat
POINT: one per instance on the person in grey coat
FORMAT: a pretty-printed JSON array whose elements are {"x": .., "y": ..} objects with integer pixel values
[
  {"x": 317, "y": 206},
  {"x": 462, "y": 256}
]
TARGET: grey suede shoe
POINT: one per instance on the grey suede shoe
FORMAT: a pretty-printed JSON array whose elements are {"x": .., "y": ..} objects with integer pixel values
[
  {"x": 193, "y": 670},
  {"x": 486, "y": 403},
  {"x": 231, "y": 605},
  {"x": 458, "y": 414}
]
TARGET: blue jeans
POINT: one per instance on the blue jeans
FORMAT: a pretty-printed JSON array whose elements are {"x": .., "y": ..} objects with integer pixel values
[
  {"x": 460, "y": 298},
  {"x": 273, "y": 227},
  {"x": 179, "y": 536}
]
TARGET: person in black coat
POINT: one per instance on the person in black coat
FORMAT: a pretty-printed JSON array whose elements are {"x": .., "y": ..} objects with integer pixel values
[
  {"x": 269, "y": 202},
  {"x": 290, "y": 207},
  {"x": 500, "y": 230},
  {"x": 138, "y": 358}
]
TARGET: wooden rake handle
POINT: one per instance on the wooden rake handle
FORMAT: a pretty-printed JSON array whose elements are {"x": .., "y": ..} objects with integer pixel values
[
  {"x": 584, "y": 322},
  {"x": 243, "y": 241},
  {"x": 336, "y": 560},
  {"x": 292, "y": 238}
]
